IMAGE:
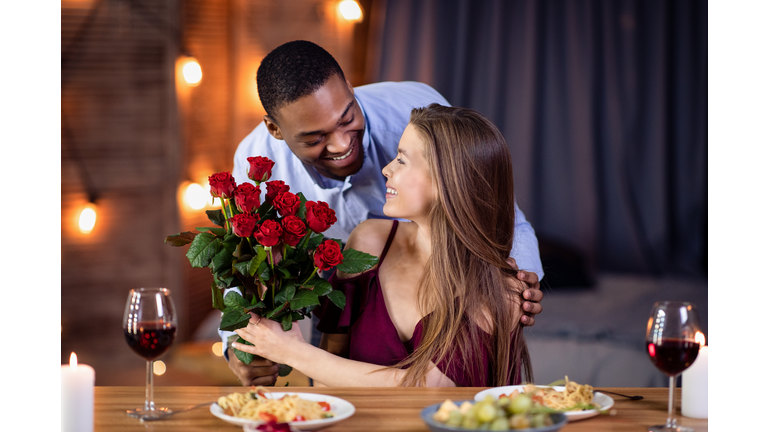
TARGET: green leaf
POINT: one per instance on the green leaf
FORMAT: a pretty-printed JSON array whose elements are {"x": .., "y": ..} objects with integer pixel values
[
  {"x": 220, "y": 232},
  {"x": 256, "y": 262},
  {"x": 180, "y": 239},
  {"x": 356, "y": 262},
  {"x": 202, "y": 249},
  {"x": 234, "y": 319},
  {"x": 322, "y": 287},
  {"x": 302, "y": 213},
  {"x": 255, "y": 305},
  {"x": 275, "y": 311},
  {"x": 266, "y": 211},
  {"x": 218, "y": 300},
  {"x": 242, "y": 355},
  {"x": 314, "y": 241},
  {"x": 222, "y": 261},
  {"x": 304, "y": 298},
  {"x": 286, "y": 293},
  {"x": 234, "y": 300},
  {"x": 231, "y": 238},
  {"x": 337, "y": 297},
  {"x": 242, "y": 267},
  {"x": 287, "y": 322},
  {"x": 283, "y": 370},
  {"x": 217, "y": 217}
]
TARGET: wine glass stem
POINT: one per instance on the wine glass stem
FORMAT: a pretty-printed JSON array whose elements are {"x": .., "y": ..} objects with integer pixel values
[
  {"x": 149, "y": 402},
  {"x": 670, "y": 415}
]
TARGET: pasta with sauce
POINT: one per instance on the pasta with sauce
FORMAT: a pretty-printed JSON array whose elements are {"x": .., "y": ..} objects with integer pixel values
[{"x": 257, "y": 405}]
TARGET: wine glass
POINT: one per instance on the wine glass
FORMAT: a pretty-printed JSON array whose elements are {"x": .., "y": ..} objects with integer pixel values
[
  {"x": 149, "y": 325},
  {"x": 672, "y": 346}
]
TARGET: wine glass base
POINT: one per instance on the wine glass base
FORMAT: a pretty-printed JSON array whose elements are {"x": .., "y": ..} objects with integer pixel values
[
  {"x": 664, "y": 428},
  {"x": 144, "y": 414}
]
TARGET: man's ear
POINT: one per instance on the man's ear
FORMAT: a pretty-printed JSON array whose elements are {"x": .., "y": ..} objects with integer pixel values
[{"x": 273, "y": 128}]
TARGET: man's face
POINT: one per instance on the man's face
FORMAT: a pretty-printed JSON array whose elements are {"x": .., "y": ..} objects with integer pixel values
[{"x": 324, "y": 129}]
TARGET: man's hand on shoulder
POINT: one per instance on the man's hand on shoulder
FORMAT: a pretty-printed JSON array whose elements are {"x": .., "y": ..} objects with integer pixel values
[
  {"x": 260, "y": 372},
  {"x": 532, "y": 294}
]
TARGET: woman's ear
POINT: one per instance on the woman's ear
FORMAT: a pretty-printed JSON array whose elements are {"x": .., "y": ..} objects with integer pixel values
[{"x": 273, "y": 128}]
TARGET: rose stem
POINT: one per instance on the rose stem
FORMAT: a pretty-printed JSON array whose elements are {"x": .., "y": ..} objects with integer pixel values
[{"x": 224, "y": 209}]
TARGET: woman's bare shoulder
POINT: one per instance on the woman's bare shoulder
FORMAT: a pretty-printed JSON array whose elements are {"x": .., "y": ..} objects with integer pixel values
[{"x": 370, "y": 236}]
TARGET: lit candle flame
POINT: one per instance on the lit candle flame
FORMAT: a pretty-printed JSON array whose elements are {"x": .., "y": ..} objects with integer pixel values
[
  {"x": 702, "y": 341},
  {"x": 73, "y": 361}
]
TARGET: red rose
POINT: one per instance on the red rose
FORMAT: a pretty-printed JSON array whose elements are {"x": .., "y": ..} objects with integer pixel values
[
  {"x": 269, "y": 233},
  {"x": 222, "y": 185},
  {"x": 328, "y": 255},
  {"x": 247, "y": 197},
  {"x": 293, "y": 230},
  {"x": 275, "y": 188},
  {"x": 243, "y": 224},
  {"x": 287, "y": 204},
  {"x": 261, "y": 168},
  {"x": 320, "y": 217}
]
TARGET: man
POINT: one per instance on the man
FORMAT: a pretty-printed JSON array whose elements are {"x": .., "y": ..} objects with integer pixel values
[{"x": 331, "y": 141}]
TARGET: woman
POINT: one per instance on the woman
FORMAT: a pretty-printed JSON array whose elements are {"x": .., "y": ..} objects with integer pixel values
[{"x": 438, "y": 309}]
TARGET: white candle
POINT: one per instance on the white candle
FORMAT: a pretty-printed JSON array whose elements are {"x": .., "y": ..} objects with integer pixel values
[
  {"x": 77, "y": 383},
  {"x": 695, "y": 387}
]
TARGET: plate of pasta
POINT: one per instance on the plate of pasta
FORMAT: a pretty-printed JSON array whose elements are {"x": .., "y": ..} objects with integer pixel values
[
  {"x": 576, "y": 401},
  {"x": 303, "y": 411}
]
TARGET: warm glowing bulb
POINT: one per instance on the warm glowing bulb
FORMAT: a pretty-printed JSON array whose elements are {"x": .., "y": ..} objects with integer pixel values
[
  {"x": 217, "y": 349},
  {"x": 73, "y": 360},
  {"x": 350, "y": 10},
  {"x": 700, "y": 339},
  {"x": 193, "y": 74},
  {"x": 158, "y": 367},
  {"x": 88, "y": 218},
  {"x": 196, "y": 196}
]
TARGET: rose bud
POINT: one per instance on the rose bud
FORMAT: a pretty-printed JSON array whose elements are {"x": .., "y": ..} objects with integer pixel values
[
  {"x": 222, "y": 185},
  {"x": 261, "y": 168},
  {"x": 247, "y": 197},
  {"x": 287, "y": 203},
  {"x": 293, "y": 230},
  {"x": 269, "y": 233},
  {"x": 275, "y": 188},
  {"x": 320, "y": 217},
  {"x": 243, "y": 224},
  {"x": 328, "y": 255}
]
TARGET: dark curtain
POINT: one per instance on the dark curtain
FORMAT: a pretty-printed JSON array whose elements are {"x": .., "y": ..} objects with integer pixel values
[{"x": 603, "y": 105}]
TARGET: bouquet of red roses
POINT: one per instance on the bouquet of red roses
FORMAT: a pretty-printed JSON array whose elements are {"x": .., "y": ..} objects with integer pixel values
[{"x": 272, "y": 251}]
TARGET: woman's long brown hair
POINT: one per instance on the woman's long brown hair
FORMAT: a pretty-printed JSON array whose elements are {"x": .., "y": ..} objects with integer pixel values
[{"x": 467, "y": 284}]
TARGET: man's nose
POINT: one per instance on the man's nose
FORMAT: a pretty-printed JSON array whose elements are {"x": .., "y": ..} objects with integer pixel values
[{"x": 338, "y": 143}]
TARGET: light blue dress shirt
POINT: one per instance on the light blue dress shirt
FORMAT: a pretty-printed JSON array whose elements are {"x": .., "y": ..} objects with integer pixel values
[{"x": 387, "y": 109}]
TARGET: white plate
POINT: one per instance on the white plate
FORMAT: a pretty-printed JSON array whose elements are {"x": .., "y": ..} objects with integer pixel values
[
  {"x": 605, "y": 401},
  {"x": 340, "y": 407}
]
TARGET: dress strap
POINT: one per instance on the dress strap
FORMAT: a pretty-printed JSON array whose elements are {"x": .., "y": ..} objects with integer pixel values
[{"x": 389, "y": 241}]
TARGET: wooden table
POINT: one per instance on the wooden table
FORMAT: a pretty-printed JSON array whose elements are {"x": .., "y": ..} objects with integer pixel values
[{"x": 377, "y": 409}]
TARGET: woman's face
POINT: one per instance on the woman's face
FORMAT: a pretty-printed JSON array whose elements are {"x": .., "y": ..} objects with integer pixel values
[{"x": 410, "y": 190}]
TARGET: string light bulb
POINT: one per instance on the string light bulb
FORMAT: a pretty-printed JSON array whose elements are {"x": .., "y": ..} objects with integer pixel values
[
  {"x": 192, "y": 72},
  {"x": 350, "y": 10},
  {"x": 196, "y": 196},
  {"x": 87, "y": 218}
]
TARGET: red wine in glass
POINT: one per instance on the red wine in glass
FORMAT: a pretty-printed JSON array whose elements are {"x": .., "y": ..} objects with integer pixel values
[
  {"x": 671, "y": 343},
  {"x": 149, "y": 326},
  {"x": 672, "y": 356},
  {"x": 150, "y": 339}
]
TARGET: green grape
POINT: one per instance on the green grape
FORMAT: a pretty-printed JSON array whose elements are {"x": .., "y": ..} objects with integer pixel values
[
  {"x": 486, "y": 412},
  {"x": 499, "y": 424},
  {"x": 521, "y": 404},
  {"x": 469, "y": 421},
  {"x": 538, "y": 420},
  {"x": 454, "y": 418}
]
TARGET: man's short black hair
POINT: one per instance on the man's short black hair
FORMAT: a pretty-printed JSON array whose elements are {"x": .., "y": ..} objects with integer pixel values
[{"x": 291, "y": 71}]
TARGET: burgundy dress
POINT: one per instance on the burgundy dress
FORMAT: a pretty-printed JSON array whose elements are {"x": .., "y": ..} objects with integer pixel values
[{"x": 373, "y": 336}]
